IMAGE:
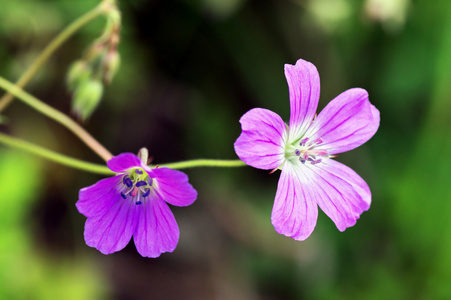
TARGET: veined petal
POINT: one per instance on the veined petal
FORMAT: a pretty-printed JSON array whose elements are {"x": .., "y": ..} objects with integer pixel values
[
  {"x": 343, "y": 194},
  {"x": 304, "y": 88},
  {"x": 123, "y": 162},
  {"x": 99, "y": 197},
  {"x": 157, "y": 231},
  {"x": 173, "y": 186},
  {"x": 111, "y": 231},
  {"x": 346, "y": 122},
  {"x": 295, "y": 210},
  {"x": 261, "y": 143}
]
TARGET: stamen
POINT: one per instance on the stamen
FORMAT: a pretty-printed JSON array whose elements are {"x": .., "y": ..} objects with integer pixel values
[
  {"x": 304, "y": 141},
  {"x": 316, "y": 161},
  {"x": 138, "y": 202},
  {"x": 127, "y": 181},
  {"x": 150, "y": 181},
  {"x": 138, "y": 171},
  {"x": 141, "y": 183},
  {"x": 297, "y": 152},
  {"x": 146, "y": 193},
  {"x": 123, "y": 196},
  {"x": 318, "y": 141}
]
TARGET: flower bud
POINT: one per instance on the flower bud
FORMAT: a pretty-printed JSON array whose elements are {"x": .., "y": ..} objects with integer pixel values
[
  {"x": 87, "y": 97},
  {"x": 111, "y": 64},
  {"x": 78, "y": 72}
]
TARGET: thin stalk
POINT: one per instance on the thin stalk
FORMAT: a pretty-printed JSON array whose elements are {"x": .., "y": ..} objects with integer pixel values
[
  {"x": 52, "y": 47},
  {"x": 53, "y": 156},
  {"x": 204, "y": 163},
  {"x": 58, "y": 117}
]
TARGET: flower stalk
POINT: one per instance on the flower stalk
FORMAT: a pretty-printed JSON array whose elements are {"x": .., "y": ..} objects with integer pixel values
[
  {"x": 195, "y": 163},
  {"x": 57, "y": 116},
  {"x": 48, "y": 51},
  {"x": 53, "y": 156}
]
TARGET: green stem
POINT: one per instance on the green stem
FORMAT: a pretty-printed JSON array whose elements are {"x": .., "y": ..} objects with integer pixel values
[
  {"x": 53, "y": 156},
  {"x": 204, "y": 163},
  {"x": 53, "y": 46},
  {"x": 57, "y": 116},
  {"x": 101, "y": 169}
]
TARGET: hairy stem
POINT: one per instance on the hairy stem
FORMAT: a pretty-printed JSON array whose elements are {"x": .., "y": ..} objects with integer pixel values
[
  {"x": 204, "y": 163},
  {"x": 53, "y": 156},
  {"x": 53, "y": 46},
  {"x": 57, "y": 116}
]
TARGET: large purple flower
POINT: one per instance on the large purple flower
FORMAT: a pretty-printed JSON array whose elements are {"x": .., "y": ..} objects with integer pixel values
[
  {"x": 303, "y": 151},
  {"x": 133, "y": 203}
]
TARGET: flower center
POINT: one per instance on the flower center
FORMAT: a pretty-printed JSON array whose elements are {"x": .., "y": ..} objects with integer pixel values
[
  {"x": 307, "y": 152},
  {"x": 137, "y": 185}
]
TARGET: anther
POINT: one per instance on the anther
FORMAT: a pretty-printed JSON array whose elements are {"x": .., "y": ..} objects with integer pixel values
[
  {"x": 141, "y": 183},
  {"x": 146, "y": 193},
  {"x": 127, "y": 181},
  {"x": 138, "y": 171},
  {"x": 304, "y": 141},
  {"x": 316, "y": 161},
  {"x": 150, "y": 181},
  {"x": 138, "y": 202},
  {"x": 123, "y": 196},
  {"x": 297, "y": 152},
  {"x": 318, "y": 141}
]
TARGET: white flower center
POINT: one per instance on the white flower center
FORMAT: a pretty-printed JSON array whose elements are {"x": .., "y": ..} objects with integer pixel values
[{"x": 306, "y": 152}]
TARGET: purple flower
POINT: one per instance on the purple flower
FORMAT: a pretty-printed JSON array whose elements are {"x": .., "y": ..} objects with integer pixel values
[
  {"x": 133, "y": 203},
  {"x": 303, "y": 151}
]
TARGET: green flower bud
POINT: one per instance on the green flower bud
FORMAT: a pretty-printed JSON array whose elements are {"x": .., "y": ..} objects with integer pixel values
[
  {"x": 78, "y": 72},
  {"x": 111, "y": 64},
  {"x": 86, "y": 98}
]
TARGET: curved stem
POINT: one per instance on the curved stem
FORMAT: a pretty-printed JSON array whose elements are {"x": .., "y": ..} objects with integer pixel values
[
  {"x": 195, "y": 163},
  {"x": 57, "y": 116},
  {"x": 52, "y": 47},
  {"x": 53, "y": 156}
]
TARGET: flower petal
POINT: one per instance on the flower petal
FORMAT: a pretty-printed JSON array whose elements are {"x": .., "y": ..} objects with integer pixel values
[
  {"x": 346, "y": 122},
  {"x": 261, "y": 144},
  {"x": 99, "y": 197},
  {"x": 157, "y": 231},
  {"x": 295, "y": 210},
  {"x": 173, "y": 186},
  {"x": 111, "y": 231},
  {"x": 304, "y": 88},
  {"x": 122, "y": 162},
  {"x": 344, "y": 195}
]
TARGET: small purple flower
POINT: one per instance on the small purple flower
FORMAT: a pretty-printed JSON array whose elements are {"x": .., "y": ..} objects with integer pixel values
[
  {"x": 303, "y": 151},
  {"x": 133, "y": 203}
]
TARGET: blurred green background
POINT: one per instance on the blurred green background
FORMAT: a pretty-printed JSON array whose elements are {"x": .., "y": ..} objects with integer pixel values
[{"x": 190, "y": 69}]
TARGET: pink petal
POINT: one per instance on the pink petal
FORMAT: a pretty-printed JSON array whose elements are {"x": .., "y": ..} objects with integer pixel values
[
  {"x": 123, "y": 162},
  {"x": 304, "y": 87},
  {"x": 173, "y": 186},
  {"x": 157, "y": 231},
  {"x": 346, "y": 122},
  {"x": 343, "y": 194},
  {"x": 99, "y": 197},
  {"x": 111, "y": 231},
  {"x": 261, "y": 144},
  {"x": 295, "y": 210}
]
